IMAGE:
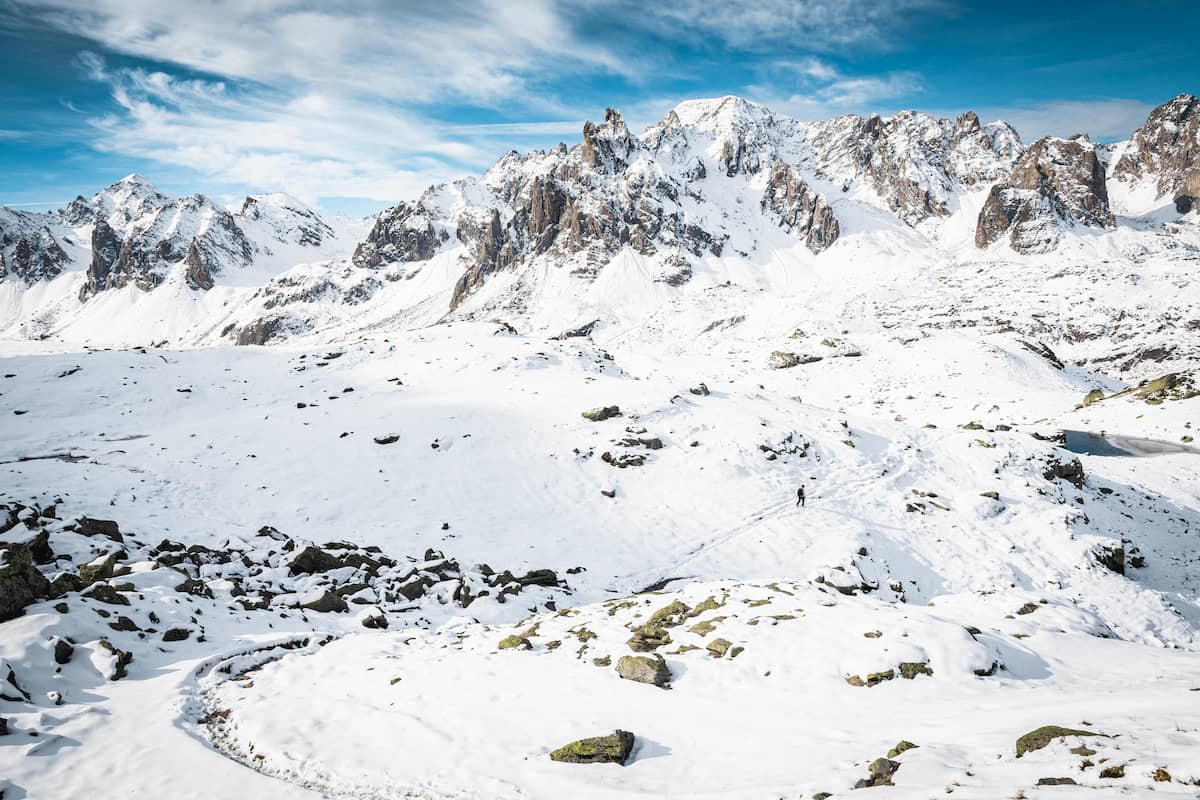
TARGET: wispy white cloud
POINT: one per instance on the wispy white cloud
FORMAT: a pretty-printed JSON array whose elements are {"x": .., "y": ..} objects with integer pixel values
[
  {"x": 1104, "y": 120},
  {"x": 815, "y": 25},
  {"x": 814, "y": 89},
  {"x": 322, "y": 100}
]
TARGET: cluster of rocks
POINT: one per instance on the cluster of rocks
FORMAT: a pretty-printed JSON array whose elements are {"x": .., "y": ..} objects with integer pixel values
[{"x": 43, "y": 557}]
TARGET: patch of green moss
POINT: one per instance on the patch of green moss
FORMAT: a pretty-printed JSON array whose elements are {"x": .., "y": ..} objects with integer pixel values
[
  {"x": 707, "y": 604},
  {"x": 901, "y": 746},
  {"x": 911, "y": 669},
  {"x": 1039, "y": 738},
  {"x": 515, "y": 642},
  {"x": 707, "y": 626},
  {"x": 669, "y": 615},
  {"x": 613, "y": 749},
  {"x": 876, "y": 678}
]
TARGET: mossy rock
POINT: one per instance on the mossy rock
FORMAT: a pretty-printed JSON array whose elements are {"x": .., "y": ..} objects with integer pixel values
[
  {"x": 1094, "y": 396},
  {"x": 876, "y": 678},
  {"x": 644, "y": 669},
  {"x": 584, "y": 635},
  {"x": 603, "y": 661},
  {"x": 717, "y": 648},
  {"x": 669, "y": 615},
  {"x": 911, "y": 669},
  {"x": 881, "y": 771},
  {"x": 612, "y": 749},
  {"x": 990, "y": 495},
  {"x": 1039, "y": 738},
  {"x": 515, "y": 642},
  {"x": 602, "y": 413},
  {"x": 707, "y": 604},
  {"x": 706, "y": 626},
  {"x": 99, "y": 570},
  {"x": 647, "y": 638},
  {"x": 1028, "y": 608},
  {"x": 902, "y": 746}
]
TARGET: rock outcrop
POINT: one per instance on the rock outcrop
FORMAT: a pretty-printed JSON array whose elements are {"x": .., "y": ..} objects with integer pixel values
[
  {"x": 1056, "y": 182},
  {"x": 401, "y": 233},
  {"x": 1166, "y": 150},
  {"x": 801, "y": 212}
]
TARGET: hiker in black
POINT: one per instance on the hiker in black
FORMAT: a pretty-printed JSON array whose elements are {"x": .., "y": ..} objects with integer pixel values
[{"x": 800, "y": 496}]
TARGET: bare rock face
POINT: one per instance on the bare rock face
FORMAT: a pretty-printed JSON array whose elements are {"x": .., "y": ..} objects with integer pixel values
[
  {"x": 198, "y": 275},
  {"x": 1187, "y": 197},
  {"x": 800, "y": 211},
  {"x": 402, "y": 233},
  {"x": 38, "y": 256},
  {"x": 259, "y": 332},
  {"x": 106, "y": 249},
  {"x": 166, "y": 236},
  {"x": 607, "y": 146},
  {"x": 1055, "y": 182},
  {"x": 1166, "y": 149},
  {"x": 914, "y": 161}
]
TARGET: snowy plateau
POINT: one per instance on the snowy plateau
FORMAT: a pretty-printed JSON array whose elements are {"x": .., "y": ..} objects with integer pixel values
[{"x": 494, "y": 494}]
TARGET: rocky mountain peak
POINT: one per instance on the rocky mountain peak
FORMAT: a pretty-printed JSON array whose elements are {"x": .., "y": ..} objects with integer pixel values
[
  {"x": 607, "y": 146},
  {"x": 1055, "y": 182},
  {"x": 1166, "y": 149}
]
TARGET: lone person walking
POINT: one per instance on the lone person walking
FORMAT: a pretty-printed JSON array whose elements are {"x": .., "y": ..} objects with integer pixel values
[{"x": 800, "y": 496}]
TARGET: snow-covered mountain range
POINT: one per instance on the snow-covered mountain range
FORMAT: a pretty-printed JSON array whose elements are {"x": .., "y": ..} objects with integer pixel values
[
  {"x": 718, "y": 190},
  {"x": 501, "y": 489}
]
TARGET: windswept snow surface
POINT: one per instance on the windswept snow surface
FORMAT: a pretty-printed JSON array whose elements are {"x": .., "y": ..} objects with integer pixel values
[{"x": 493, "y": 464}]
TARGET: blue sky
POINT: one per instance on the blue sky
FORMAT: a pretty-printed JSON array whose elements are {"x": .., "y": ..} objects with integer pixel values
[{"x": 355, "y": 108}]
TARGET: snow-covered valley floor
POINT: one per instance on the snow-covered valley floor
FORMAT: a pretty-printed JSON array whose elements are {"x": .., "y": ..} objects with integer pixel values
[{"x": 322, "y": 547}]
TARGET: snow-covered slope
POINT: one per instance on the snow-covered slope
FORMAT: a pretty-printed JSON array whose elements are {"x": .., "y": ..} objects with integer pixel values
[{"x": 519, "y": 467}]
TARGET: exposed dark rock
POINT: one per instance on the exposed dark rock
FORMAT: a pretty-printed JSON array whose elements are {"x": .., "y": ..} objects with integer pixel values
[
  {"x": 63, "y": 650},
  {"x": 21, "y": 583},
  {"x": 123, "y": 659},
  {"x": 1070, "y": 471},
  {"x": 86, "y": 526},
  {"x": 401, "y": 233},
  {"x": 312, "y": 560},
  {"x": 1112, "y": 557},
  {"x": 106, "y": 248},
  {"x": 198, "y": 275},
  {"x": 327, "y": 602}
]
